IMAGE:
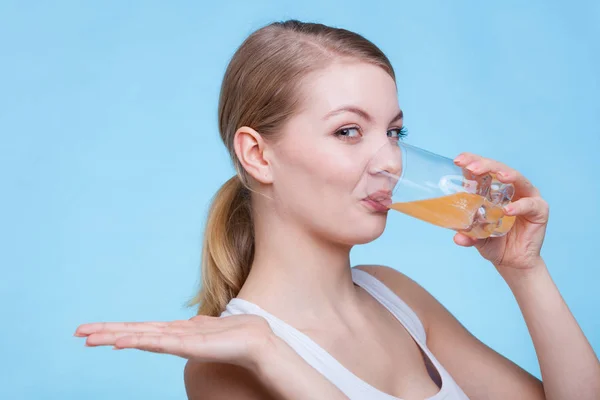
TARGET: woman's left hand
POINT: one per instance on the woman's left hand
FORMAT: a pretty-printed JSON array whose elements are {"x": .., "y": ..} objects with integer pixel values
[{"x": 518, "y": 250}]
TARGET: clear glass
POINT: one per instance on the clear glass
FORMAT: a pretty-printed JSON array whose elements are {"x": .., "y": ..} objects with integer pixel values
[{"x": 432, "y": 188}]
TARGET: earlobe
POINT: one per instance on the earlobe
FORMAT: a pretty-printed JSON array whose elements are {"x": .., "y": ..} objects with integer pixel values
[{"x": 249, "y": 147}]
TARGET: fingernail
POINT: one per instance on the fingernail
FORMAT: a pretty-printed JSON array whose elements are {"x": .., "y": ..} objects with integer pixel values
[
  {"x": 117, "y": 348},
  {"x": 508, "y": 209},
  {"x": 459, "y": 159}
]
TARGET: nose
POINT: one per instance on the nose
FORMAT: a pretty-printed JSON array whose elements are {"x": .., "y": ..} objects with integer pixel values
[{"x": 387, "y": 160}]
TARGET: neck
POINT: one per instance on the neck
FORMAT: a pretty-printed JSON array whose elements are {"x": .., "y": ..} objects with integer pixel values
[{"x": 295, "y": 272}]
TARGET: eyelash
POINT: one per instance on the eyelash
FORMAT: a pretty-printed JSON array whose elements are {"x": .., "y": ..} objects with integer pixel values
[{"x": 402, "y": 132}]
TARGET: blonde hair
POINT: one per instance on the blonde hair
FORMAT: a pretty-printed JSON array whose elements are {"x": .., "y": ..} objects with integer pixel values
[{"x": 261, "y": 90}]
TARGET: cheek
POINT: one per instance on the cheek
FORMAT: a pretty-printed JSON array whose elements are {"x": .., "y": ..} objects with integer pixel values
[
  {"x": 321, "y": 189},
  {"x": 328, "y": 171}
]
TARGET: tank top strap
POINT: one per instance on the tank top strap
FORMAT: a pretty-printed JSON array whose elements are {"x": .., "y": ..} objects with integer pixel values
[{"x": 391, "y": 301}]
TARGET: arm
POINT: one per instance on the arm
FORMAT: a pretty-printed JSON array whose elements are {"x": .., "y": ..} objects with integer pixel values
[
  {"x": 288, "y": 376},
  {"x": 217, "y": 381},
  {"x": 221, "y": 350},
  {"x": 281, "y": 374},
  {"x": 569, "y": 367},
  {"x": 480, "y": 371}
]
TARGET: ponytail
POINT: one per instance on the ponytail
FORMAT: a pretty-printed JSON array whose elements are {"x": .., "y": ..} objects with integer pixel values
[{"x": 228, "y": 248}]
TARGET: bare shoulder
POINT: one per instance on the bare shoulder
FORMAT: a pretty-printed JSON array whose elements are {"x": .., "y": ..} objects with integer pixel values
[
  {"x": 388, "y": 275},
  {"x": 216, "y": 381},
  {"x": 411, "y": 292},
  {"x": 477, "y": 368}
]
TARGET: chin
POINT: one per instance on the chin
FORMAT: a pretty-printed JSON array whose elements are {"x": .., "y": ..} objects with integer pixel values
[
  {"x": 366, "y": 230},
  {"x": 367, "y": 237}
]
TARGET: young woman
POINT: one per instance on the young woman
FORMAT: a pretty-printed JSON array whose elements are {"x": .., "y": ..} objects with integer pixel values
[{"x": 282, "y": 312}]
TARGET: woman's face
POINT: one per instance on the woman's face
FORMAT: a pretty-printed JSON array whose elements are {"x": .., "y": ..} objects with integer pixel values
[{"x": 349, "y": 111}]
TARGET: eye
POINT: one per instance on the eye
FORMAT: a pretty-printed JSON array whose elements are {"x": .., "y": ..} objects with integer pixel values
[
  {"x": 348, "y": 133},
  {"x": 397, "y": 133}
]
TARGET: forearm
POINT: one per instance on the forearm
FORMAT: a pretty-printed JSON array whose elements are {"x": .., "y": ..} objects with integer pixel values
[
  {"x": 569, "y": 367},
  {"x": 289, "y": 377}
]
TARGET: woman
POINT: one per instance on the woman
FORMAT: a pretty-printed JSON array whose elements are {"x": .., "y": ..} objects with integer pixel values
[{"x": 282, "y": 313}]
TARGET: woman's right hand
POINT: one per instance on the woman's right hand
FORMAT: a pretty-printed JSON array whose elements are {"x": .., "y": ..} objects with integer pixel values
[
  {"x": 240, "y": 339},
  {"x": 244, "y": 340}
]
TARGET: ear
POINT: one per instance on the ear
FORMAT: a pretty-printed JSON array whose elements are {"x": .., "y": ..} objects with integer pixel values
[{"x": 250, "y": 147}]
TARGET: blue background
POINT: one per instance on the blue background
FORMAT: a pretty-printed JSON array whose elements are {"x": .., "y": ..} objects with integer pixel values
[{"x": 109, "y": 155}]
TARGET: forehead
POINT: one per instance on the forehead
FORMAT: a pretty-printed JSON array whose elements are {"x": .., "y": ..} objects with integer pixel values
[{"x": 358, "y": 84}]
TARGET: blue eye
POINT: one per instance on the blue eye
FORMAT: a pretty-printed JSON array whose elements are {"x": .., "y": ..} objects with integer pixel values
[
  {"x": 348, "y": 133},
  {"x": 397, "y": 133}
]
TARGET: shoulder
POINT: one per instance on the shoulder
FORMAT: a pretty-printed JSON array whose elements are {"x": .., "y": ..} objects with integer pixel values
[
  {"x": 407, "y": 289},
  {"x": 216, "y": 381}
]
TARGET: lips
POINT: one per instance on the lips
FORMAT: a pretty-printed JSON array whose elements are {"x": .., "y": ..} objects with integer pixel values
[
  {"x": 379, "y": 200},
  {"x": 381, "y": 196}
]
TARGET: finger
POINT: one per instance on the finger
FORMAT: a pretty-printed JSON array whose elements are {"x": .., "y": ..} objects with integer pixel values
[
  {"x": 479, "y": 165},
  {"x": 220, "y": 346},
  {"x": 482, "y": 166},
  {"x": 523, "y": 186},
  {"x": 465, "y": 158},
  {"x": 205, "y": 347},
  {"x": 505, "y": 174},
  {"x": 157, "y": 327},
  {"x": 533, "y": 209},
  {"x": 464, "y": 240},
  {"x": 155, "y": 343},
  {"x": 474, "y": 166},
  {"x": 109, "y": 338},
  {"x": 88, "y": 329},
  {"x": 104, "y": 338}
]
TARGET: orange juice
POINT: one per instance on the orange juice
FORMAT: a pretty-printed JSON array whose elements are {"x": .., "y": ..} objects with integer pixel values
[{"x": 467, "y": 213}]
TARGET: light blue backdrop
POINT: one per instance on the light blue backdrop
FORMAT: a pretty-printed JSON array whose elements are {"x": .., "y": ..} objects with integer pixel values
[{"x": 109, "y": 155}]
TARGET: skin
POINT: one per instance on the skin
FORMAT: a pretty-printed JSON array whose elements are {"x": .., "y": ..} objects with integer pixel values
[{"x": 309, "y": 217}]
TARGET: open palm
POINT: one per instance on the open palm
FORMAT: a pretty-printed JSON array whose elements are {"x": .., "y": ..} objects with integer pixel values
[{"x": 238, "y": 339}]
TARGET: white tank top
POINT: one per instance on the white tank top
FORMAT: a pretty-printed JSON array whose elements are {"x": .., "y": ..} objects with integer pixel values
[{"x": 350, "y": 384}]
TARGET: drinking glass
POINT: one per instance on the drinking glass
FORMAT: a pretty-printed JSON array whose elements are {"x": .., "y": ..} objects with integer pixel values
[{"x": 432, "y": 188}]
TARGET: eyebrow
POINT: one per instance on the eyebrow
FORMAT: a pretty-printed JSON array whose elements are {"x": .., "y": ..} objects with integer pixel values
[{"x": 361, "y": 113}]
